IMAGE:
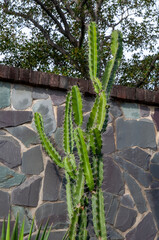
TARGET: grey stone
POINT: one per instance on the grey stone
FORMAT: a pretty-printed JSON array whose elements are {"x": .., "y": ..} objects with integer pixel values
[
  {"x": 153, "y": 196},
  {"x": 108, "y": 141},
  {"x": 60, "y": 115},
  {"x": 113, "y": 180},
  {"x": 127, "y": 201},
  {"x": 131, "y": 133},
  {"x": 23, "y": 213},
  {"x": 40, "y": 93},
  {"x": 4, "y": 204},
  {"x": 130, "y": 110},
  {"x": 113, "y": 234},
  {"x": 88, "y": 103},
  {"x": 52, "y": 182},
  {"x": 21, "y": 97},
  {"x": 154, "y": 170},
  {"x": 136, "y": 193},
  {"x": 5, "y": 94},
  {"x": 111, "y": 203},
  {"x": 155, "y": 117},
  {"x": 25, "y": 135},
  {"x": 45, "y": 108},
  {"x": 14, "y": 118},
  {"x": 9, "y": 178},
  {"x": 136, "y": 156},
  {"x": 155, "y": 184},
  {"x": 27, "y": 194},
  {"x": 144, "y": 111},
  {"x": 10, "y": 152},
  {"x": 57, "y": 97},
  {"x": 115, "y": 109},
  {"x": 125, "y": 219},
  {"x": 155, "y": 158},
  {"x": 54, "y": 213},
  {"x": 143, "y": 177},
  {"x": 2, "y": 133},
  {"x": 145, "y": 230},
  {"x": 85, "y": 121},
  {"x": 32, "y": 161},
  {"x": 58, "y": 138}
]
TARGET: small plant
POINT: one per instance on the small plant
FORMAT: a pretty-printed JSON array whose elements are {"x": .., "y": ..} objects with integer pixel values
[
  {"x": 18, "y": 233},
  {"x": 85, "y": 177}
]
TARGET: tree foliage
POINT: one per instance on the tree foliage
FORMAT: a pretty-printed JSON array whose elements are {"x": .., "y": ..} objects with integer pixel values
[{"x": 57, "y": 39}]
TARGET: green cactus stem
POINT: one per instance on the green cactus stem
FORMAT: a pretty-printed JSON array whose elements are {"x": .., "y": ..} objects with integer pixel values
[
  {"x": 51, "y": 151},
  {"x": 77, "y": 105}
]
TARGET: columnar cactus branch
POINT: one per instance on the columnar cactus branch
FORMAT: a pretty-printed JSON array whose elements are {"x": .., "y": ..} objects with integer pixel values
[{"x": 84, "y": 175}]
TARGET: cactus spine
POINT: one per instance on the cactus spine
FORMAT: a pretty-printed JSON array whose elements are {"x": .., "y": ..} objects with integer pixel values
[{"x": 85, "y": 177}]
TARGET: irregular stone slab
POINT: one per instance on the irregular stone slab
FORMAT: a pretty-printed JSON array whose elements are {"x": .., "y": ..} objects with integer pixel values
[
  {"x": 137, "y": 157},
  {"x": 2, "y": 133},
  {"x": 155, "y": 184},
  {"x": 45, "y": 108},
  {"x": 145, "y": 230},
  {"x": 144, "y": 111},
  {"x": 115, "y": 109},
  {"x": 111, "y": 203},
  {"x": 5, "y": 94},
  {"x": 52, "y": 183},
  {"x": 155, "y": 118},
  {"x": 58, "y": 138},
  {"x": 60, "y": 115},
  {"x": 154, "y": 170},
  {"x": 9, "y": 178},
  {"x": 21, "y": 97},
  {"x": 113, "y": 180},
  {"x": 23, "y": 212},
  {"x": 143, "y": 177},
  {"x": 25, "y": 135},
  {"x": 113, "y": 234},
  {"x": 57, "y": 97},
  {"x": 55, "y": 212},
  {"x": 27, "y": 194},
  {"x": 125, "y": 219},
  {"x": 108, "y": 141},
  {"x": 136, "y": 193},
  {"x": 4, "y": 204},
  {"x": 14, "y": 118},
  {"x": 138, "y": 133},
  {"x": 32, "y": 161},
  {"x": 88, "y": 103},
  {"x": 127, "y": 201},
  {"x": 155, "y": 158},
  {"x": 130, "y": 110},
  {"x": 39, "y": 93},
  {"x": 153, "y": 196},
  {"x": 10, "y": 152}
]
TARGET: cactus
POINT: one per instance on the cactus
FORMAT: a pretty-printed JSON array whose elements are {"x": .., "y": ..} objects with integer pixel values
[{"x": 84, "y": 178}]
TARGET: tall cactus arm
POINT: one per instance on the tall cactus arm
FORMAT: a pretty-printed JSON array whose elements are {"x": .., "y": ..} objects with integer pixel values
[
  {"x": 93, "y": 57},
  {"x": 68, "y": 167},
  {"x": 82, "y": 234},
  {"x": 79, "y": 191},
  {"x": 99, "y": 215},
  {"x": 83, "y": 154},
  {"x": 77, "y": 105},
  {"x": 69, "y": 196},
  {"x": 113, "y": 64},
  {"x": 74, "y": 223},
  {"x": 93, "y": 114},
  {"x": 101, "y": 111},
  {"x": 50, "y": 150},
  {"x": 68, "y": 131},
  {"x": 92, "y": 43}
]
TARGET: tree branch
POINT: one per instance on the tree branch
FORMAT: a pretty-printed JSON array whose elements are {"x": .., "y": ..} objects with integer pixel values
[
  {"x": 152, "y": 67},
  {"x": 67, "y": 29}
]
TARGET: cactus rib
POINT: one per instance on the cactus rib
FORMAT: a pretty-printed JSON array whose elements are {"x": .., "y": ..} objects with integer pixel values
[{"x": 77, "y": 105}]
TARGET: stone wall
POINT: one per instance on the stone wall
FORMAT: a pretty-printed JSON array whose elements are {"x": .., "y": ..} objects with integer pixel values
[{"x": 31, "y": 184}]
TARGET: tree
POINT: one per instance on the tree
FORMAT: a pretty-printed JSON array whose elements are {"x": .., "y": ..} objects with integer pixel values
[{"x": 57, "y": 41}]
